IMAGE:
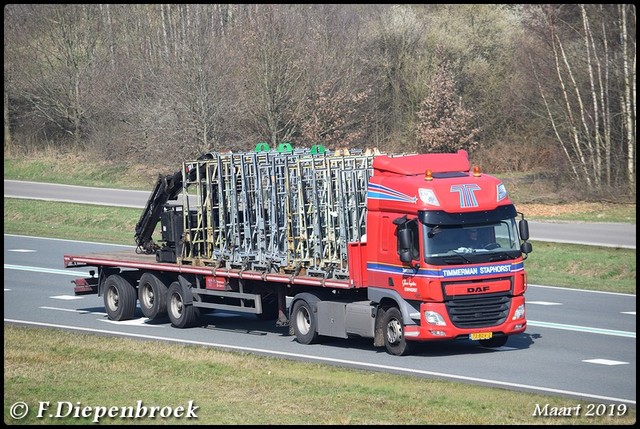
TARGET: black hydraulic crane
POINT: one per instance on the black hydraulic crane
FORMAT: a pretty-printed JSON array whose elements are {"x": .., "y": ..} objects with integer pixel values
[{"x": 167, "y": 188}]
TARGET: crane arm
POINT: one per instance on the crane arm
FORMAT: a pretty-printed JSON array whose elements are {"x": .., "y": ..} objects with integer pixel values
[{"x": 167, "y": 188}]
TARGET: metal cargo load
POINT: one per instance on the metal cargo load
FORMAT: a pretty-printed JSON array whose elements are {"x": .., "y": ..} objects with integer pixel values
[{"x": 274, "y": 212}]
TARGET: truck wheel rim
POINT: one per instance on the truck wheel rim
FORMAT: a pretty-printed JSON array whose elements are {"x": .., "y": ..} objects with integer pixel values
[
  {"x": 112, "y": 298},
  {"x": 176, "y": 305},
  {"x": 303, "y": 321},
  {"x": 394, "y": 331},
  {"x": 147, "y": 296}
]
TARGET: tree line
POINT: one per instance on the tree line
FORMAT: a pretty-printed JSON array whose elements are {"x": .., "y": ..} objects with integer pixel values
[{"x": 521, "y": 87}]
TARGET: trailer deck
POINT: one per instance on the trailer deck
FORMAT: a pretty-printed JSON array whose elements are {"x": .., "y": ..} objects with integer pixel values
[{"x": 131, "y": 259}]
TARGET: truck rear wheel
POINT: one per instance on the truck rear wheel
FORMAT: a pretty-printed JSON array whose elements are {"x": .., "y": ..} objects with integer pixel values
[
  {"x": 182, "y": 315},
  {"x": 305, "y": 325},
  {"x": 119, "y": 298},
  {"x": 394, "y": 339},
  {"x": 152, "y": 295}
]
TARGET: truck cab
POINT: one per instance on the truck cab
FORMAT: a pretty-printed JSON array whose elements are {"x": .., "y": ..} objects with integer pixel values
[{"x": 445, "y": 250}]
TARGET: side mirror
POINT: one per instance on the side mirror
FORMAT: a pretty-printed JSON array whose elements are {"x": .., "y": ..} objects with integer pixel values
[
  {"x": 405, "y": 241},
  {"x": 526, "y": 247},
  {"x": 523, "y": 225}
]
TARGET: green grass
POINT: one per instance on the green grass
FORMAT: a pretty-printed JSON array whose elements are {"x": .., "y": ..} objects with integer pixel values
[
  {"x": 76, "y": 170},
  {"x": 616, "y": 213},
  {"x": 582, "y": 267},
  {"x": 83, "y": 222},
  {"x": 241, "y": 388}
]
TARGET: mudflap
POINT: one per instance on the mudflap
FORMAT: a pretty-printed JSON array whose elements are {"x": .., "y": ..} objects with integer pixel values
[{"x": 85, "y": 286}]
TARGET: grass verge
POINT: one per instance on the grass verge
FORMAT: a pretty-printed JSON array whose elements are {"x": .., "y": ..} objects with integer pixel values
[{"x": 241, "y": 388}]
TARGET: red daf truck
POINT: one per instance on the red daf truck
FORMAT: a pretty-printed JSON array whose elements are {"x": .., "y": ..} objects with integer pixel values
[{"x": 399, "y": 249}]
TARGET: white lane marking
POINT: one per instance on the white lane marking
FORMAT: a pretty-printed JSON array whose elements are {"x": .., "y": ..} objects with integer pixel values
[
  {"x": 133, "y": 322},
  {"x": 605, "y": 362},
  {"x": 544, "y": 303},
  {"x": 67, "y": 272},
  {"x": 582, "y": 290},
  {"x": 66, "y": 297},
  {"x": 73, "y": 310},
  {"x": 581, "y": 329},
  {"x": 356, "y": 364},
  {"x": 21, "y": 250},
  {"x": 633, "y": 313}
]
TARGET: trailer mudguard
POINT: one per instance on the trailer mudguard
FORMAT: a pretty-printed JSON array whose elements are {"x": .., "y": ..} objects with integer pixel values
[{"x": 186, "y": 290}]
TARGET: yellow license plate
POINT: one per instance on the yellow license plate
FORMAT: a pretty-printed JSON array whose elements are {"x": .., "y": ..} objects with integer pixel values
[{"x": 481, "y": 335}]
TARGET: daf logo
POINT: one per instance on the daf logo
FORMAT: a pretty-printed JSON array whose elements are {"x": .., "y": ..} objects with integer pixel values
[{"x": 477, "y": 289}]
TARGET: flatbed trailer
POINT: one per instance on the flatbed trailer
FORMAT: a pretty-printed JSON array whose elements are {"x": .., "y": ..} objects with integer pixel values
[
  {"x": 136, "y": 261},
  {"x": 400, "y": 249}
]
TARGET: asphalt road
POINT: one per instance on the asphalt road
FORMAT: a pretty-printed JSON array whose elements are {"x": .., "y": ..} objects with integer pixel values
[
  {"x": 596, "y": 234},
  {"x": 578, "y": 344}
]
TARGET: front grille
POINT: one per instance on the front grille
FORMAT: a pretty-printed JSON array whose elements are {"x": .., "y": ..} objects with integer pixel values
[{"x": 479, "y": 311}]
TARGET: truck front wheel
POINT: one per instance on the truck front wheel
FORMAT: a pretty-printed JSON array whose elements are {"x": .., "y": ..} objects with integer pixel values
[
  {"x": 182, "y": 315},
  {"x": 305, "y": 326},
  {"x": 394, "y": 338},
  {"x": 119, "y": 298},
  {"x": 152, "y": 295}
]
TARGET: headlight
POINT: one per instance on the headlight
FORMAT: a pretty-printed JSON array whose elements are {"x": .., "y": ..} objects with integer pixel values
[
  {"x": 434, "y": 318},
  {"x": 519, "y": 313}
]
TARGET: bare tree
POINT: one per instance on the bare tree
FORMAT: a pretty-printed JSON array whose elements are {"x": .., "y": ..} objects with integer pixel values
[
  {"x": 58, "y": 83},
  {"x": 199, "y": 87},
  {"x": 397, "y": 63},
  {"x": 271, "y": 71},
  {"x": 629, "y": 98},
  {"x": 444, "y": 124},
  {"x": 591, "y": 100},
  {"x": 338, "y": 108},
  {"x": 331, "y": 116}
]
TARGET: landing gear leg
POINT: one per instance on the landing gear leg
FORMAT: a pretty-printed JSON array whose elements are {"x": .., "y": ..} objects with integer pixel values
[{"x": 282, "y": 307}]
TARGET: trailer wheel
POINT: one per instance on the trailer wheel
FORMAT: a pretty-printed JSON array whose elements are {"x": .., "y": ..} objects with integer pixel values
[
  {"x": 305, "y": 325},
  {"x": 494, "y": 342},
  {"x": 119, "y": 298},
  {"x": 152, "y": 295},
  {"x": 182, "y": 315},
  {"x": 394, "y": 339}
]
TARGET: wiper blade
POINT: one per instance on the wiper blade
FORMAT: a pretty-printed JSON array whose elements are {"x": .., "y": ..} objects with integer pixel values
[
  {"x": 461, "y": 257},
  {"x": 435, "y": 230}
]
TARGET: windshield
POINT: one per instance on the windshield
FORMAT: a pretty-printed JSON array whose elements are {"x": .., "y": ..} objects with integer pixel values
[{"x": 493, "y": 240}]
